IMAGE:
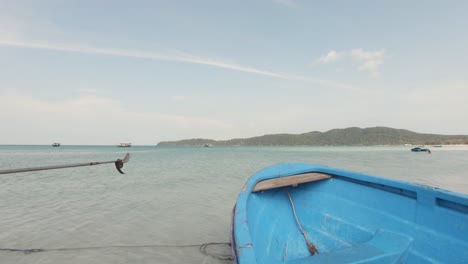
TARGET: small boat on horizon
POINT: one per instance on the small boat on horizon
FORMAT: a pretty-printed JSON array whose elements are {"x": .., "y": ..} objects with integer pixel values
[
  {"x": 421, "y": 149},
  {"x": 125, "y": 145},
  {"x": 56, "y": 144},
  {"x": 304, "y": 213}
]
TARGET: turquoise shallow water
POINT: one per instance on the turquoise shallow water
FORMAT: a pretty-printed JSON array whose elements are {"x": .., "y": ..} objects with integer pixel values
[{"x": 176, "y": 196}]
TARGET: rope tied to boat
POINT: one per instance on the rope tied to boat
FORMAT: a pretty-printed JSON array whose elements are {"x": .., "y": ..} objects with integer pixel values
[
  {"x": 203, "y": 248},
  {"x": 312, "y": 248}
]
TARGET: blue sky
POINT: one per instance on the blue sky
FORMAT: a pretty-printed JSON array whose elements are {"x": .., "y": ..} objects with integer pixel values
[{"x": 105, "y": 72}]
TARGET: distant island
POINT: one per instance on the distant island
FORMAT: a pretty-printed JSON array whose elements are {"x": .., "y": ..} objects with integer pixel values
[{"x": 353, "y": 136}]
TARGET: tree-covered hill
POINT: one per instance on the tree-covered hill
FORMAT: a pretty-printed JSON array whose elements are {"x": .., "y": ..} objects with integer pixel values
[{"x": 353, "y": 136}]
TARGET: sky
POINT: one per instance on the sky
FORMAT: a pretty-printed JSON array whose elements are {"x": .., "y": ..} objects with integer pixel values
[{"x": 102, "y": 72}]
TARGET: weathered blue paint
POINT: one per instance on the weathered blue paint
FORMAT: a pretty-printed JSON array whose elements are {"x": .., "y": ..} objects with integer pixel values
[{"x": 351, "y": 218}]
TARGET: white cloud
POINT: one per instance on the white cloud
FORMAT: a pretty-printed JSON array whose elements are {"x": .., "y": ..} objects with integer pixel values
[
  {"x": 361, "y": 54},
  {"x": 139, "y": 54},
  {"x": 368, "y": 61},
  {"x": 179, "y": 57},
  {"x": 371, "y": 67},
  {"x": 330, "y": 57},
  {"x": 372, "y": 60}
]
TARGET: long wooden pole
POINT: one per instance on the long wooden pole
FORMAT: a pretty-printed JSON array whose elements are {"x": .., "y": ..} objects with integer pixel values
[{"x": 118, "y": 165}]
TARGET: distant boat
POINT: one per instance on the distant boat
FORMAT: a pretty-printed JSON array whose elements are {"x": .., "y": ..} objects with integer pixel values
[
  {"x": 56, "y": 145},
  {"x": 125, "y": 145},
  {"x": 304, "y": 213},
  {"x": 207, "y": 145},
  {"x": 419, "y": 149}
]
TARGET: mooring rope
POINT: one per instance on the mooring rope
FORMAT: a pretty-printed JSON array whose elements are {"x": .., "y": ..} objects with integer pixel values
[
  {"x": 202, "y": 248},
  {"x": 312, "y": 248}
]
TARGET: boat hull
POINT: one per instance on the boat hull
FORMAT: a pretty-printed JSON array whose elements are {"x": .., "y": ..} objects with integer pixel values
[
  {"x": 420, "y": 150},
  {"x": 350, "y": 217}
]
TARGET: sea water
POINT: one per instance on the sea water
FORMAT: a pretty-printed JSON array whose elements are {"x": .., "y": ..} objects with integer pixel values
[{"x": 171, "y": 199}]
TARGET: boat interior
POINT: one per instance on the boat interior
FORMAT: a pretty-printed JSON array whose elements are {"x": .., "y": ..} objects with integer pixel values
[{"x": 356, "y": 221}]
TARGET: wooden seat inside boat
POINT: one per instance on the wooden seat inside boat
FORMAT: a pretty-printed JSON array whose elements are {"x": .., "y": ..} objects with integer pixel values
[{"x": 290, "y": 181}]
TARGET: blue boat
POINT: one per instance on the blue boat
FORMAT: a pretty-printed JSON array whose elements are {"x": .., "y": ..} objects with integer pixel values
[{"x": 301, "y": 213}]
